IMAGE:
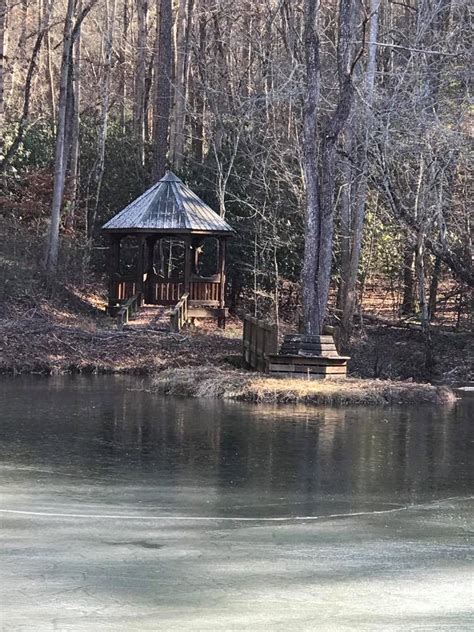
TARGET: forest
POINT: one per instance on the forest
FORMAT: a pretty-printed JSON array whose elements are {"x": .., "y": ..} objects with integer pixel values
[{"x": 333, "y": 136}]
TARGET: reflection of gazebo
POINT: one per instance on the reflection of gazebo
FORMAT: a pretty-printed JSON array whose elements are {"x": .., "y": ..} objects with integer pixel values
[{"x": 168, "y": 210}]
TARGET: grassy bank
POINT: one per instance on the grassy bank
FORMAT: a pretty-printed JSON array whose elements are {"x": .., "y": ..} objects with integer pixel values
[{"x": 244, "y": 386}]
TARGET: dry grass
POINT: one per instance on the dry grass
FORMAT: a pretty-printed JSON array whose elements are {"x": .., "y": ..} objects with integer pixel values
[{"x": 245, "y": 386}]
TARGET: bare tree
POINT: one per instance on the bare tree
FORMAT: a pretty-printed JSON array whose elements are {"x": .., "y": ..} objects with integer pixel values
[
  {"x": 104, "y": 115},
  {"x": 312, "y": 318},
  {"x": 163, "y": 85},
  {"x": 353, "y": 220},
  {"x": 3, "y": 19},
  {"x": 183, "y": 27},
  {"x": 319, "y": 162},
  {"x": 13, "y": 148},
  {"x": 61, "y": 150},
  {"x": 140, "y": 76}
]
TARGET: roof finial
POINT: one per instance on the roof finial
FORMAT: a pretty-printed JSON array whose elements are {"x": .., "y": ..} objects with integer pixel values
[{"x": 170, "y": 177}]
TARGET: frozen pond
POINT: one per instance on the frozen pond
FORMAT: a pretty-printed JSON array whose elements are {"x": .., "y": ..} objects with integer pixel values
[{"x": 124, "y": 510}]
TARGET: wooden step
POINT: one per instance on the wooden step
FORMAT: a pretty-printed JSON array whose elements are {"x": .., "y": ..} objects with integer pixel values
[
  {"x": 298, "y": 368},
  {"x": 308, "y": 360},
  {"x": 307, "y": 376}
]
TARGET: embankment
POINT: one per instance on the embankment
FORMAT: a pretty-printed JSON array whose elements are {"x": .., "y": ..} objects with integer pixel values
[{"x": 259, "y": 388}]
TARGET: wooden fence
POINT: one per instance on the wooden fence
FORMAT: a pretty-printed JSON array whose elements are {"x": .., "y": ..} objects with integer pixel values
[
  {"x": 127, "y": 309},
  {"x": 179, "y": 316},
  {"x": 260, "y": 340}
]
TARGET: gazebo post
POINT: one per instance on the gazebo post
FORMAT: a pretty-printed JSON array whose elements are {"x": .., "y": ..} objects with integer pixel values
[
  {"x": 195, "y": 244},
  {"x": 140, "y": 267},
  {"x": 222, "y": 253},
  {"x": 187, "y": 264},
  {"x": 150, "y": 268},
  {"x": 114, "y": 269}
]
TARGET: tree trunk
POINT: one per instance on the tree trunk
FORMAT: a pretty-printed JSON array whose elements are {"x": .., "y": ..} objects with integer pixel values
[
  {"x": 181, "y": 82},
  {"x": 408, "y": 299},
  {"x": 349, "y": 272},
  {"x": 76, "y": 121},
  {"x": 121, "y": 55},
  {"x": 198, "y": 79},
  {"x": 47, "y": 9},
  {"x": 345, "y": 212},
  {"x": 26, "y": 104},
  {"x": 102, "y": 137},
  {"x": 423, "y": 303},
  {"x": 59, "y": 162},
  {"x": 319, "y": 225},
  {"x": 140, "y": 77},
  {"x": 3, "y": 22},
  {"x": 312, "y": 322},
  {"x": 162, "y": 96},
  {"x": 434, "y": 289}
]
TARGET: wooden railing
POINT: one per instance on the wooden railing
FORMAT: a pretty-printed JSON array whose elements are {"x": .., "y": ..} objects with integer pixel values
[
  {"x": 166, "y": 292},
  {"x": 260, "y": 340},
  {"x": 204, "y": 291},
  {"x": 130, "y": 307},
  {"x": 179, "y": 316},
  {"x": 125, "y": 289},
  {"x": 169, "y": 291}
]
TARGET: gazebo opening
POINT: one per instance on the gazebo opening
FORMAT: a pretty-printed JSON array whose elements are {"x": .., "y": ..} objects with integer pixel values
[
  {"x": 129, "y": 250},
  {"x": 165, "y": 245},
  {"x": 206, "y": 261}
]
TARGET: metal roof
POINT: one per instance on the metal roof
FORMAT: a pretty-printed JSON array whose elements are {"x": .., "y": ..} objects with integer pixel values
[{"x": 168, "y": 206}]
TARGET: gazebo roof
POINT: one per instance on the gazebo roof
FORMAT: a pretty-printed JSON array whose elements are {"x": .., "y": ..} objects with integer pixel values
[{"x": 169, "y": 206}]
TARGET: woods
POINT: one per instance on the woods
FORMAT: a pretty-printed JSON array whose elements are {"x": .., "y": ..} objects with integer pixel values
[{"x": 333, "y": 136}]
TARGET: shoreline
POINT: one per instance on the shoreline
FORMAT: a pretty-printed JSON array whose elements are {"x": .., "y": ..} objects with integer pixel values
[
  {"x": 205, "y": 362},
  {"x": 238, "y": 385},
  {"x": 263, "y": 389}
]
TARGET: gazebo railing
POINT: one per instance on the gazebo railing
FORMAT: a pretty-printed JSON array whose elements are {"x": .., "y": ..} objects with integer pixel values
[
  {"x": 169, "y": 291},
  {"x": 125, "y": 288},
  {"x": 204, "y": 291},
  {"x": 165, "y": 292}
]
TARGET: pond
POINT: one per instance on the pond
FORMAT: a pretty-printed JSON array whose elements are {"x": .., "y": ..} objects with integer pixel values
[{"x": 125, "y": 510}]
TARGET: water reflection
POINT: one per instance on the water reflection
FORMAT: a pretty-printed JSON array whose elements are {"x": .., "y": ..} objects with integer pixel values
[{"x": 238, "y": 459}]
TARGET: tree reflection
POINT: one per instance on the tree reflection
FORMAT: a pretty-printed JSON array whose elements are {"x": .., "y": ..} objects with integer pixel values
[{"x": 288, "y": 458}]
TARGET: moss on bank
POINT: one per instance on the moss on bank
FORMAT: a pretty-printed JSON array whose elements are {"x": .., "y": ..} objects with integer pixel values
[{"x": 245, "y": 386}]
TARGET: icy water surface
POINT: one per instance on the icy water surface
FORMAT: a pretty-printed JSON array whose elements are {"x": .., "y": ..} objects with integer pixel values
[{"x": 123, "y": 510}]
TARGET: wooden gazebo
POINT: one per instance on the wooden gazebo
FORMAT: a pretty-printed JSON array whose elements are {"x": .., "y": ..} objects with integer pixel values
[{"x": 168, "y": 210}]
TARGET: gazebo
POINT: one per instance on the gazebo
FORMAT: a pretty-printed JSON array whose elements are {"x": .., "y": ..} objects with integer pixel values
[{"x": 167, "y": 213}]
